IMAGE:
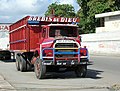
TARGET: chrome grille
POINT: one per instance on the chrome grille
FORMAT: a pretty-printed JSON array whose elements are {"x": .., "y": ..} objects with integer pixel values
[{"x": 65, "y": 47}]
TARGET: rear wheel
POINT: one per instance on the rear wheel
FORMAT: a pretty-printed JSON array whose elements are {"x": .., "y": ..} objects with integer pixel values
[
  {"x": 22, "y": 64},
  {"x": 17, "y": 62},
  {"x": 39, "y": 69},
  {"x": 81, "y": 71}
]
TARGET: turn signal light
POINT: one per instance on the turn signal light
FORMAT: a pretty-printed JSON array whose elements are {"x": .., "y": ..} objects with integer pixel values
[{"x": 83, "y": 52}]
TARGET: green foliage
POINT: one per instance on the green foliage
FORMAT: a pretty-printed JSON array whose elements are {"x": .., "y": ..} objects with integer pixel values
[
  {"x": 91, "y": 7},
  {"x": 63, "y": 10}
]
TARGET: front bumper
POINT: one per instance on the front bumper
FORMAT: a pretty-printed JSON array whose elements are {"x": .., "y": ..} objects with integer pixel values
[
  {"x": 53, "y": 60},
  {"x": 66, "y": 62}
]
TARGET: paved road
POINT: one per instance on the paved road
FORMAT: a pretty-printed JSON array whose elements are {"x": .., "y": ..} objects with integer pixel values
[{"x": 104, "y": 75}]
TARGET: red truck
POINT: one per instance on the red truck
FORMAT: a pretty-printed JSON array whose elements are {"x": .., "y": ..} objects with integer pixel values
[{"x": 48, "y": 44}]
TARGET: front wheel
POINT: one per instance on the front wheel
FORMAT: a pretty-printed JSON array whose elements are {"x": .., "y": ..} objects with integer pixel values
[
  {"x": 39, "y": 69},
  {"x": 81, "y": 71}
]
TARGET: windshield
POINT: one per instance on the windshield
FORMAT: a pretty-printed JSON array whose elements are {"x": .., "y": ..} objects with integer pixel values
[{"x": 63, "y": 31}]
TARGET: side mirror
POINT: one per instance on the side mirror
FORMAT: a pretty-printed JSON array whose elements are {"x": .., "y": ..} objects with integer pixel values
[{"x": 80, "y": 37}]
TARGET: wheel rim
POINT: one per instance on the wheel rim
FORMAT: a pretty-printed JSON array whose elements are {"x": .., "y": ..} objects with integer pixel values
[{"x": 37, "y": 69}]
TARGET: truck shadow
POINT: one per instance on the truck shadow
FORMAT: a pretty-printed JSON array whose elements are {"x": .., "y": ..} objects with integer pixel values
[{"x": 93, "y": 74}]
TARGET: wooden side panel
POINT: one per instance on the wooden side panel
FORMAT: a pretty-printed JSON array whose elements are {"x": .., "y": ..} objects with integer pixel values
[
  {"x": 34, "y": 37},
  {"x": 18, "y": 32},
  {"x": 24, "y": 37}
]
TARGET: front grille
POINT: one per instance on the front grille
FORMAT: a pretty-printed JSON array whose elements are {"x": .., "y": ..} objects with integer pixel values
[{"x": 66, "y": 47}]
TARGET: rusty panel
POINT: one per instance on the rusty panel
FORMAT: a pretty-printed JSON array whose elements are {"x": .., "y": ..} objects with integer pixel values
[
  {"x": 18, "y": 38},
  {"x": 24, "y": 37},
  {"x": 34, "y": 37}
]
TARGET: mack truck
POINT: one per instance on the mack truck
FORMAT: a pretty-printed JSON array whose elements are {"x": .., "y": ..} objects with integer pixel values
[{"x": 48, "y": 44}]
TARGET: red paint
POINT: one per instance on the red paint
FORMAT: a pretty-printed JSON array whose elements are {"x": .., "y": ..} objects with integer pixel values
[{"x": 23, "y": 36}]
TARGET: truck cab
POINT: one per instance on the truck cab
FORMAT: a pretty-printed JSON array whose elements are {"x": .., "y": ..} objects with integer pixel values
[
  {"x": 60, "y": 47},
  {"x": 60, "y": 42}
]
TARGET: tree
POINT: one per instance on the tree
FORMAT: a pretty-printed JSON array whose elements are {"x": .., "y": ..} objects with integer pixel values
[
  {"x": 82, "y": 13},
  {"x": 91, "y": 7},
  {"x": 117, "y": 5},
  {"x": 63, "y": 10}
]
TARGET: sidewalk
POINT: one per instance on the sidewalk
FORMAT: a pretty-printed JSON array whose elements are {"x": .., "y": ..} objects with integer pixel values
[{"x": 4, "y": 85}]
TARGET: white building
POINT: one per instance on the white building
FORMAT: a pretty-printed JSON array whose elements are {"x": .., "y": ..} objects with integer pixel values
[
  {"x": 4, "y": 35},
  {"x": 106, "y": 40},
  {"x": 110, "y": 22}
]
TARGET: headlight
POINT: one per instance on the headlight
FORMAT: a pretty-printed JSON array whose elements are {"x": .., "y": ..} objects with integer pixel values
[
  {"x": 48, "y": 53},
  {"x": 83, "y": 52}
]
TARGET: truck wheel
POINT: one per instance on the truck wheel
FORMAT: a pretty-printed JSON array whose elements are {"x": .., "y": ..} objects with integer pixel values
[
  {"x": 28, "y": 67},
  {"x": 22, "y": 64},
  {"x": 81, "y": 71},
  {"x": 39, "y": 69},
  {"x": 17, "y": 62}
]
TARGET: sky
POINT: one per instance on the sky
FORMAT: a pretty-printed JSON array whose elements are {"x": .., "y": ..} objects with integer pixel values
[{"x": 13, "y": 10}]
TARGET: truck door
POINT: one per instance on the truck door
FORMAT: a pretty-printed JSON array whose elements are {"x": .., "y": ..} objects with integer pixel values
[{"x": 45, "y": 32}]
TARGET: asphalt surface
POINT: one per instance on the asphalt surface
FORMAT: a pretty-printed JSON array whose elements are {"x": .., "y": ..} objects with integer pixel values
[{"x": 103, "y": 75}]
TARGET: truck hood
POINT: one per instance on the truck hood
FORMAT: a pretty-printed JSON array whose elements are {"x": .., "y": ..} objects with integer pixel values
[{"x": 50, "y": 41}]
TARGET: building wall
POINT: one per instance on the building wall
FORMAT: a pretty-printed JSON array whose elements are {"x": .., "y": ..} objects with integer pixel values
[
  {"x": 4, "y": 36},
  {"x": 112, "y": 23},
  {"x": 102, "y": 43},
  {"x": 106, "y": 40}
]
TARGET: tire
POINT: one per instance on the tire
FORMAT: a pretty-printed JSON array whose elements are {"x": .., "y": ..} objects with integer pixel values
[
  {"x": 39, "y": 69},
  {"x": 81, "y": 71},
  {"x": 28, "y": 67},
  {"x": 23, "y": 64},
  {"x": 17, "y": 62}
]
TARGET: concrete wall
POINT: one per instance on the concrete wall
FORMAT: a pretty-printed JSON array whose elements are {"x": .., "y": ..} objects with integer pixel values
[
  {"x": 112, "y": 23},
  {"x": 106, "y": 40},
  {"x": 102, "y": 43}
]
